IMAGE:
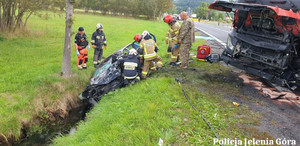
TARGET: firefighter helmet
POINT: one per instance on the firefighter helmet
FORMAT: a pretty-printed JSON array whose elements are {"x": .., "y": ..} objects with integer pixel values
[
  {"x": 145, "y": 33},
  {"x": 168, "y": 19},
  {"x": 137, "y": 37},
  {"x": 132, "y": 52},
  {"x": 99, "y": 26}
]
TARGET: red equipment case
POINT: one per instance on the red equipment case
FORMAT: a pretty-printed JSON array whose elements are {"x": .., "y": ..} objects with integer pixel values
[{"x": 203, "y": 51}]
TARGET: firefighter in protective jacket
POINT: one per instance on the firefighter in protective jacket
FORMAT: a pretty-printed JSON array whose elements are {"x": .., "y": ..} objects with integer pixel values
[
  {"x": 81, "y": 43},
  {"x": 172, "y": 38},
  {"x": 131, "y": 67},
  {"x": 98, "y": 41},
  {"x": 147, "y": 50}
]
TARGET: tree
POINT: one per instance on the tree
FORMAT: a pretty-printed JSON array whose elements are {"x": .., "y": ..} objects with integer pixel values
[
  {"x": 60, "y": 4},
  {"x": 66, "y": 69},
  {"x": 213, "y": 15},
  {"x": 164, "y": 6},
  {"x": 221, "y": 16},
  {"x": 183, "y": 5},
  {"x": 157, "y": 7},
  {"x": 203, "y": 10},
  {"x": 149, "y": 8},
  {"x": 13, "y": 12}
]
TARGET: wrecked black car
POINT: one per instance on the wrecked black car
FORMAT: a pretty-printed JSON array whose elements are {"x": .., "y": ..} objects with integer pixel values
[
  {"x": 265, "y": 39},
  {"x": 107, "y": 77}
]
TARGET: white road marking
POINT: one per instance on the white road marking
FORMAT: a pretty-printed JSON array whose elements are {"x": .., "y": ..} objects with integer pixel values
[{"x": 219, "y": 41}]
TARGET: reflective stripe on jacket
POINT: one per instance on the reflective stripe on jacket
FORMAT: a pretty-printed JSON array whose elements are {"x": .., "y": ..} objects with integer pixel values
[
  {"x": 148, "y": 47},
  {"x": 98, "y": 39},
  {"x": 173, "y": 32},
  {"x": 131, "y": 67},
  {"x": 81, "y": 40}
]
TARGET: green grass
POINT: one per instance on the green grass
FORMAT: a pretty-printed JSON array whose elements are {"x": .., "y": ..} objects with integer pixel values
[
  {"x": 31, "y": 63},
  {"x": 156, "y": 108},
  {"x": 137, "y": 115}
]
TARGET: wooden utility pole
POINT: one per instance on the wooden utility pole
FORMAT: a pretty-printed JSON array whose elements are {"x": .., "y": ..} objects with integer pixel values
[{"x": 66, "y": 69}]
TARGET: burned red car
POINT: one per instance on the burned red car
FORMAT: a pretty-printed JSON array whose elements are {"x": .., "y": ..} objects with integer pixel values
[{"x": 265, "y": 39}]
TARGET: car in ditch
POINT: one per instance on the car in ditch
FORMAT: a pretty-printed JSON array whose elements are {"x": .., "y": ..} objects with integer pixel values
[
  {"x": 265, "y": 40},
  {"x": 107, "y": 77}
]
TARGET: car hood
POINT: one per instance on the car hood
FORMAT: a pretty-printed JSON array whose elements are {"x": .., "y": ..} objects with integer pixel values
[{"x": 228, "y": 7}]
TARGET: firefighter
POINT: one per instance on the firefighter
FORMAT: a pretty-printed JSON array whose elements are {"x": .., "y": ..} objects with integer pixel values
[
  {"x": 131, "y": 67},
  {"x": 145, "y": 33},
  {"x": 81, "y": 43},
  {"x": 172, "y": 38},
  {"x": 136, "y": 45},
  {"x": 137, "y": 40},
  {"x": 147, "y": 50},
  {"x": 98, "y": 41},
  {"x": 185, "y": 38}
]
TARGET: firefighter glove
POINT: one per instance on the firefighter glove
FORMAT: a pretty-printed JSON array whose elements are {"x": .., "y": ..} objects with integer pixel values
[{"x": 176, "y": 46}]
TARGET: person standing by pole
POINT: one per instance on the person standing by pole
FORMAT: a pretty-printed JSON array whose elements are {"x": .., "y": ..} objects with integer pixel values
[
  {"x": 186, "y": 38},
  {"x": 81, "y": 43}
]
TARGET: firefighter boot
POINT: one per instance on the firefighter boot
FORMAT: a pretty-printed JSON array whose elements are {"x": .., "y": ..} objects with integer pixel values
[
  {"x": 126, "y": 82},
  {"x": 169, "y": 53},
  {"x": 84, "y": 66}
]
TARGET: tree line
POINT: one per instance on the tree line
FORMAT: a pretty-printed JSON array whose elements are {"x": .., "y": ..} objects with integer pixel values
[
  {"x": 14, "y": 14},
  {"x": 183, "y": 5},
  {"x": 203, "y": 12},
  {"x": 151, "y": 9}
]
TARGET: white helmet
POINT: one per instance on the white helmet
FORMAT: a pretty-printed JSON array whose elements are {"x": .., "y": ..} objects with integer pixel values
[
  {"x": 132, "y": 52},
  {"x": 145, "y": 33},
  {"x": 99, "y": 26}
]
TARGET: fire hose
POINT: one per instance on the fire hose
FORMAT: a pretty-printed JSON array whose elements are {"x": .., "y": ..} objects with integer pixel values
[{"x": 189, "y": 100}]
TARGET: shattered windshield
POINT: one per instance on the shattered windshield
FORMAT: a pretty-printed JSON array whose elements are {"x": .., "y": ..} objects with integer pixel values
[
  {"x": 109, "y": 68},
  {"x": 100, "y": 71},
  {"x": 107, "y": 73}
]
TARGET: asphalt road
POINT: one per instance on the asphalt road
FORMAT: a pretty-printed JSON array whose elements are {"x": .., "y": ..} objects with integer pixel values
[{"x": 219, "y": 33}]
